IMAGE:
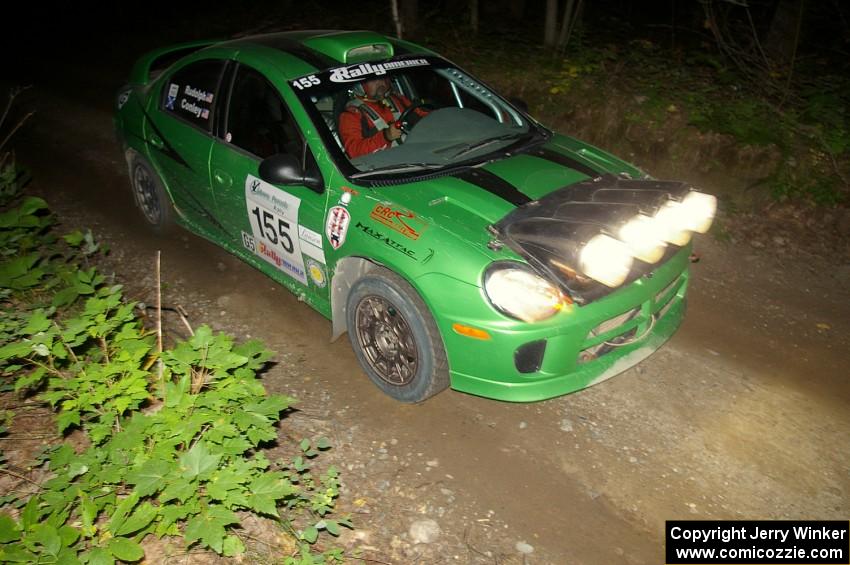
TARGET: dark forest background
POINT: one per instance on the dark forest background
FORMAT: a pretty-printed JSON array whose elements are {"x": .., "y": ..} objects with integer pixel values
[
  {"x": 771, "y": 77},
  {"x": 771, "y": 32}
]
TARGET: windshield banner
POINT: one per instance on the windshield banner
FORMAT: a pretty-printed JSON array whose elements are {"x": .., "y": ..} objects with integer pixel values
[{"x": 355, "y": 73}]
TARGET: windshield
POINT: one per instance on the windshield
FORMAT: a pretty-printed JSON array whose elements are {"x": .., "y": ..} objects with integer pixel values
[{"x": 408, "y": 115}]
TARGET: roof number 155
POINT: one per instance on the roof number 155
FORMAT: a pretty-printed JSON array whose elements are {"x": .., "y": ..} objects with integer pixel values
[{"x": 306, "y": 82}]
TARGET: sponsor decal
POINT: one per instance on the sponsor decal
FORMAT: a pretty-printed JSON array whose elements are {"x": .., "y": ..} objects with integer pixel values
[
  {"x": 354, "y": 73},
  {"x": 173, "y": 90},
  {"x": 272, "y": 256},
  {"x": 275, "y": 199},
  {"x": 309, "y": 236},
  {"x": 317, "y": 273},
  {"x": 192, "y": 102},
  {"x": 403, "y": 221},
  {"x": 311, "y": 244},
  {"x": 273, "y": 216},
  {"x": 385, "y": 239},
  {"x": 193, "y": 108},
  {"x": 248, "y": 242},
  {"x": 123, "y": 97},
  {"x": 337, "y": 226},
  {"x": 198, "y": 94}
]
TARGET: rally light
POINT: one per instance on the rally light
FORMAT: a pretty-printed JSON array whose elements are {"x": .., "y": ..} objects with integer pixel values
[
  {"x": 594, "y": 236},
  {"x": 698, "y": 210},
  {"x": 644, "y": 238},
  {"x": 606, "y": 260},
  {"x": 521, "y": 294},
  {"x": 671, "y": 223}
]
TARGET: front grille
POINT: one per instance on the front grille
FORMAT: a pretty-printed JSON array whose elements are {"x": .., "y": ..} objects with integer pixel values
[
  {"x": 621, "y": 329},
  {"x": 614, "y": 322},
  {"x": 663, "y": 296},
  {"x": 615, "y": 338}
]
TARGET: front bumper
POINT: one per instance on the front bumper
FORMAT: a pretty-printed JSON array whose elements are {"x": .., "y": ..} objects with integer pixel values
[{"x": 581, "y": 346}]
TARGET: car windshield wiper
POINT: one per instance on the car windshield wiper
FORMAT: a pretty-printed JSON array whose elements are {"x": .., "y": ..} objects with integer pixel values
[
  {"x": 534, "y": 139},
  {"x": 403, "y": 168},
  {"x": 470, "y": 147}
]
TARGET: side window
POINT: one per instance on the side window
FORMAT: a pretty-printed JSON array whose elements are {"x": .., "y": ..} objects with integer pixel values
[
  {"x": 190, "y": 94},
  {"x": 257, "y": 120}
]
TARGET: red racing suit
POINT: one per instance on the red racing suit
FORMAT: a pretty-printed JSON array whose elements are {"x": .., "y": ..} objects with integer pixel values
[{"x": 361, "y": 133}]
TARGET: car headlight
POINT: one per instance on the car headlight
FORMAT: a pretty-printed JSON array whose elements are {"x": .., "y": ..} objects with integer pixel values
[
  {"x": 643, "y": 237},
  {"x": 606, "y": 260},
  {"x": 517, "y": 292}
]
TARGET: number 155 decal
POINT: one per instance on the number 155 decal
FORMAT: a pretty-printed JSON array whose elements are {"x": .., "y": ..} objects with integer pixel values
[{"x": 273, "y": 215}]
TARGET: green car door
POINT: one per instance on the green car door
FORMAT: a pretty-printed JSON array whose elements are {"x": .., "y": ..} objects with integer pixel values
[
  {"x": 180, "y": 132},
  {"x": 280, "y": 225}
]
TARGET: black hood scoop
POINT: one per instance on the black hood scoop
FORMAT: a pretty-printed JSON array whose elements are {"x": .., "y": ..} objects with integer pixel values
[{"x": 550, "y": 232}]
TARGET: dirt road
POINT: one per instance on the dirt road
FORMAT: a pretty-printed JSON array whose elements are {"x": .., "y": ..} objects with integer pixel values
[{"x": 745, "y": 413}]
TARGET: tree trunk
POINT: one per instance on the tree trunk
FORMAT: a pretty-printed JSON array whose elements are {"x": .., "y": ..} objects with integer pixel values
[
  {"x": 410, "y": 16},
  {"x": 568, "y": 22},
  {"x": 783, "y": 33},
  {"x": 399, "y": 29},
  {"x": 551, "y": 23},
  {"x": 473, "y": 16},
  {"x": 516, "y": 9}
]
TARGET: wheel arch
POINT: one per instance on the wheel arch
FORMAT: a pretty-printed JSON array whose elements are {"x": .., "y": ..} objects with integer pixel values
[
  {"x": 418, "y": 339},
  {"x": 130, "y": 152},
  {"x": 347, "y": 271}
]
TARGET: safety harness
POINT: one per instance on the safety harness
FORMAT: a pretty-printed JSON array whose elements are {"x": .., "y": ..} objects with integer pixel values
[{"x": 379, "y": 122}]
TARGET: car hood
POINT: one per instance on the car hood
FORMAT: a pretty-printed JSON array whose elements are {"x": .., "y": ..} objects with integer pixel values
[
  {"x": 470, "y": 200},
  {"x": 529, "y": 202}
]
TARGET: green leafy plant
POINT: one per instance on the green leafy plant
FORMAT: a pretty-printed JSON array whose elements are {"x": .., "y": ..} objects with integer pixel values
[{"x": 174, "y": 437}]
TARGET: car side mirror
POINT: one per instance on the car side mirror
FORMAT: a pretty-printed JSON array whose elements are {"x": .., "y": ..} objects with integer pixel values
[{"x": 286, "y": 169}]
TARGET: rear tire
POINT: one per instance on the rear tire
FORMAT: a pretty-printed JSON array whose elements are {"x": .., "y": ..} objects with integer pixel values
[
  {"x": 150, "y": 196},
  {"x": 395, "y": 337}
]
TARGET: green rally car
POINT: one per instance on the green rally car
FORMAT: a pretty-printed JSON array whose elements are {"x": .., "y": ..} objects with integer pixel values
[{"x": 479, "y": 250}]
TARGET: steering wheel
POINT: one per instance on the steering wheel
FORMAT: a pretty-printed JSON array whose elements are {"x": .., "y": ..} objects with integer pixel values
[{"x": 405, "y": 124}]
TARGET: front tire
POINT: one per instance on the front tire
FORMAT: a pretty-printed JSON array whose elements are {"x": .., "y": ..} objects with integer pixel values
[
  {"x": 395, "y": 337},
  {"x": 150, "y": 196}
]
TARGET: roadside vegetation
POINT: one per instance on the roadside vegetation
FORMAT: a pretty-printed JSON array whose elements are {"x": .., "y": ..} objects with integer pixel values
[
  {"x": 150, "y": 440},
  {"x": 786, "y": 137}
]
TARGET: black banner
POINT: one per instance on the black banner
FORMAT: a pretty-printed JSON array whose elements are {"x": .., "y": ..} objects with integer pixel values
[{"x": 760, "y": 542}]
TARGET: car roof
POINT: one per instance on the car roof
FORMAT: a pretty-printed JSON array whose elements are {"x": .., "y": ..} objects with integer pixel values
[
  {"x": 291, "y": 53},
  {"x": 321, "y": 49}
]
